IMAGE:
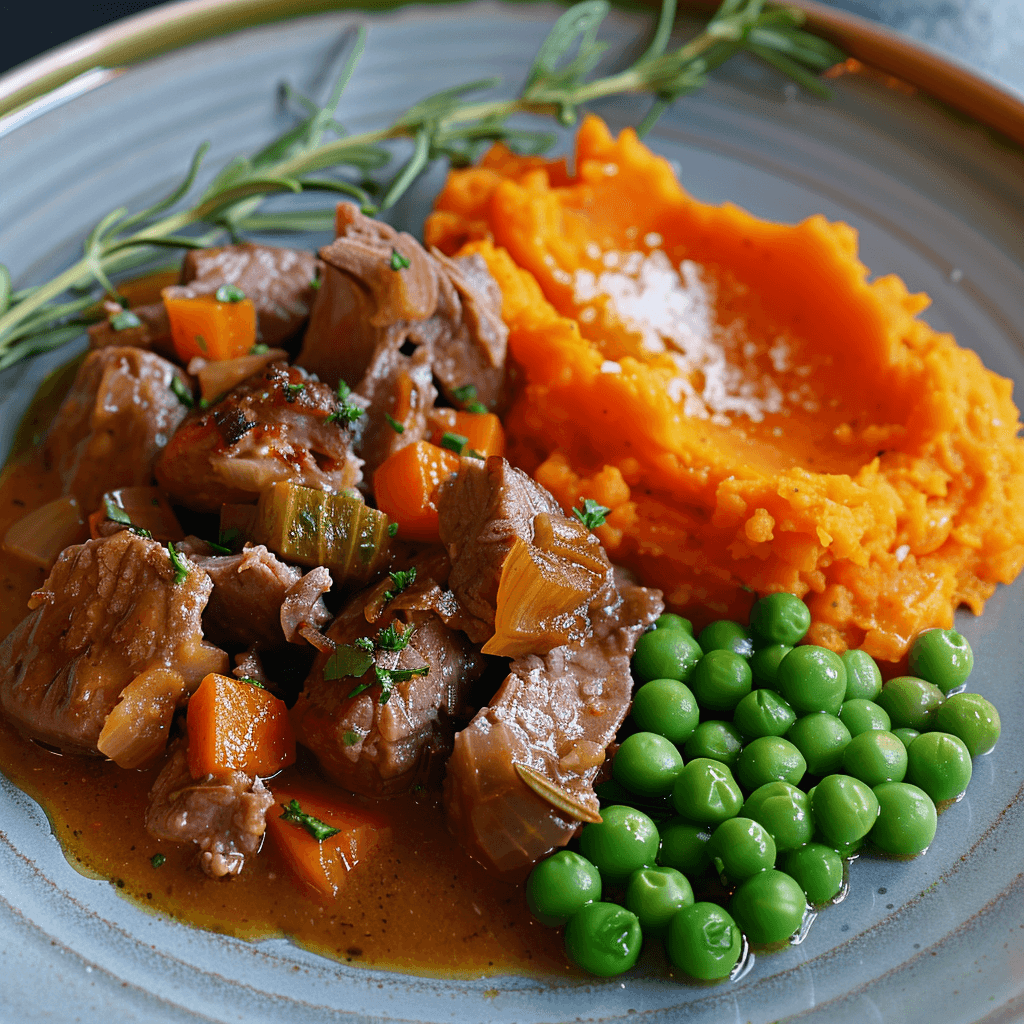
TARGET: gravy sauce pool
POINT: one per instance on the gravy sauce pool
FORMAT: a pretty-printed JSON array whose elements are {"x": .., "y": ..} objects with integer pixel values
[{"x": 419, "y": 904}]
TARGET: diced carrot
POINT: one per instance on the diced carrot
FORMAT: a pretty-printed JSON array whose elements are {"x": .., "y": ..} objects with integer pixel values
[
  {"x": 406, "y": 486},
  {"x": 202, "y": 326},
  {"x": 324, "y": 864},
  {"x": 236, "y": 726},
  {"x": 482, "y": 430}
]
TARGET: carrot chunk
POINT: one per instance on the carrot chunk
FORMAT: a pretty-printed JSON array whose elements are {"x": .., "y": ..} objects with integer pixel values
[
  {"x": 202, "y": 326},
  {"x": 323, "y": 864},
  {"x": 236, "y": 726},
  {"x": 406, "y": 488},
  {"x": 483, "y": 431}
]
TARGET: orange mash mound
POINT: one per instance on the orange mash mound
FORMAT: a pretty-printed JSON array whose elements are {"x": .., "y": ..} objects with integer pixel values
[{"x": 757, "y": 414}]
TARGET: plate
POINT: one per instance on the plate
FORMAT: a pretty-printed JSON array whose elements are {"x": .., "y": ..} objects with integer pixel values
[{"x": 936, "y": 197}]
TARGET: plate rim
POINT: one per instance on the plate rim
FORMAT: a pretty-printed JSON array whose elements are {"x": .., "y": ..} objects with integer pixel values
[{"x": 173, "y": 25}]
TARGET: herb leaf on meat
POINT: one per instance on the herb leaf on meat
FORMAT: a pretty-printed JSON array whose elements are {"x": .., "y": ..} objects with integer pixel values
[{"x": 295, "y": 815}]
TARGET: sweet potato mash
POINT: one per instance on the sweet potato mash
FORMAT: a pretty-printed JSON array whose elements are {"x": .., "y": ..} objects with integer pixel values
[{"x": 756, "y": 413}]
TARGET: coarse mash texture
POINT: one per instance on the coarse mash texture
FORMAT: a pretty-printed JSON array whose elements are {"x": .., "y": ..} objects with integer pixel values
[{"x": 757, "y": 414}]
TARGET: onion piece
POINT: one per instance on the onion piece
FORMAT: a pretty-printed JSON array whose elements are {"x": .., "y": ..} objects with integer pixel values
[
  {"x": 316, "y": 638},
  {"x": 136, "y": 730},
  {"x": 219, "y": 376},
  {"x": 40, "y": 536}
]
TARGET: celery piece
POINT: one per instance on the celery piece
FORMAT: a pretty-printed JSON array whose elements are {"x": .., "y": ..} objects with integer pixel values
[{"x": 310, "y": 527}]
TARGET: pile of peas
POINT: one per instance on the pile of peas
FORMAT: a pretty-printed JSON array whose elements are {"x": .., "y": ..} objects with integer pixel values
[{"x": 758, "y": 768}]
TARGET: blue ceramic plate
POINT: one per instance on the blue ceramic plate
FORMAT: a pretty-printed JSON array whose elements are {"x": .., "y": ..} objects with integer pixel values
[{"x": 936, "y": 199}]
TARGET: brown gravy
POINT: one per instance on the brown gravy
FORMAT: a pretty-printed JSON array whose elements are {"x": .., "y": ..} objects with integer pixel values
[{"x": 419, "y": 905}]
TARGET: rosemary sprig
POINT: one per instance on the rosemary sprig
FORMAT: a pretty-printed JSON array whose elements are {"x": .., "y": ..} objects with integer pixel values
[{"x": 445, "y": 125}]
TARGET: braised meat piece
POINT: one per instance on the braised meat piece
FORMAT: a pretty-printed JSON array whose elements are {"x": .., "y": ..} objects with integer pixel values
[
  {"x": 555, "y": 714},
  {"x": 257, "y": 598},
  {"x": 109, "y": 611},
  {"x": 278, "y": 425},
  {"x": 390, "y": 318},
  {"x": 279, "y": 282},
  {"x": 114, "y": 423},
  {"x": 381, "y": 747},
  {"x": 153, "y": 331},
  {"x": 225, "y": 817}
]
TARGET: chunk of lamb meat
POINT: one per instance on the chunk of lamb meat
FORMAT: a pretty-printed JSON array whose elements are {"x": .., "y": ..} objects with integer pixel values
[
  {"x": 153, "y": 331},
  {"x": 484, "y": 511},
  {"x": 382, "y": 748},
  {"x": 557, "y": 715},
  {"x": 225, "y": 816},
  {"x": 109, "y": 611},
  {"x": 368, "y": 315},
  {"x": 278, "y": 281},
  {"x": 257, "y": 598},
  {"x": 116, "y": 420},
  {"x": 278, "y": 425}
]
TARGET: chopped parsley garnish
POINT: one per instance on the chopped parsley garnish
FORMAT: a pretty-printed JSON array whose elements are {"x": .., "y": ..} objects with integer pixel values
[
  {"x": 401, "y": 579},
  {"x": 229, "y": 293},
  {"x": 392, "y": 529},
  {"x": 201, "y": 342},
  {"x": 259, "y": 349},
  {"x": 218, "y": 549},
  {"x": 315, "y": 283},
  {"x": 158, "y": 860},
  {"x": 454, "y": 442},
  {"x": 364, "y": 642},
  {"x": 351, "y": 737},
  {"x": 398, "y": 261},
  {"x": 125, "y": 319},
  {"x": 116, "y": 514},
  {"x": 392, "y": 638},
  {"x": 182, "y": 392},
  {"x": 464, "y": 394},
  {"x": 226, "y": 538},
  {"x": 398, "y": 428},
  {"x": 476, "y": 407},
  {"x": 474, "y": 454},
  {"x": 592, "y": 515},
  {"x": 292, "y": 391},
  {"x": 295, "y": 815},
  {"x": 181, "y": 565},
  {"x": 348, "y": 412},
  {"x": 251, "y": 682},
  {"x": 387, "y": 677},
  {"x": 347, "y": 661}
]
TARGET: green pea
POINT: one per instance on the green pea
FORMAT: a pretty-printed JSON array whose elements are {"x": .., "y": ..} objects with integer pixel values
[
  {"x": 741, "y": 847},
  {"x": 656, "y": 895},
  {"x": 818, "y": 870},
  {"x": 647, "y": 764},
  {"x": 906, "y": 736},
  {"x": 685, "y": 846},
  {"x": 911, "y": 702},
  {"x": 720, "y": 680},
  {"x": 784, "y": 811},
  {"x": 667, "y": 620},
  {"x": 726, "y": 635},
  {"x": 906, "y": 819},
  {"x": 769, "y": 906},
  {"x": 972, "y": 718},
  {"x": 943, "y": 657},
  {"x": 719, "y": 741},
  {"x": 559, "y": 885},
  {"x": 780, "y": 618},
  {"x": 762, "y": 713},
  {"x": 812, "y": 679},
  {"x": 940, "y": 764},
  {"x": 863, "y": 677},
  {"x": 769, "y": 759},
  {"x": 875, "y": 756},
  {"x": 821, "y": 738},
  {"x": 603, "y": 939},
  {"x": 764, "y": 663},
  {"x": 667, "y": 707},
  {"x": 860, "y": 715},
  {"x": 665, "y": 654},
  {"x": 705, "y": 791},
  {"x": 844, "y": 808},
  {"x": 704, "y": 941},
  {"x": 624, "y": 840}
]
